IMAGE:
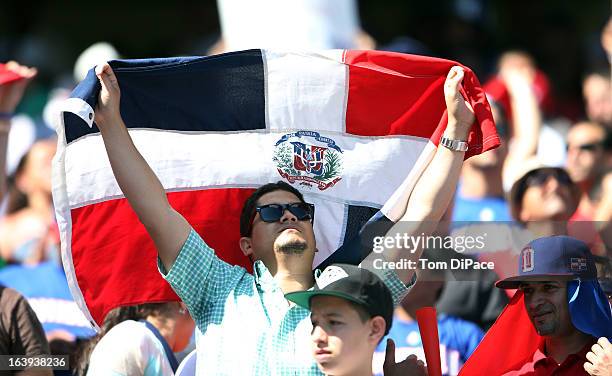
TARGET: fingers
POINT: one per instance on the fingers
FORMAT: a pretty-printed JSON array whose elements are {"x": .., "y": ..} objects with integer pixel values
[
  {"x": 597, "y": 349},
  {"x": 26, "y": 72},
  {"x": 107, "y": 77},
  {"x": 589, "y": 368},
  {"x": 603, "y": 341},
  {"x": 414, "y": 359},
  {"x": 592, "y": 357},
  {"x": 453, "y": 80},
  {"x": 390, "y": 351}
]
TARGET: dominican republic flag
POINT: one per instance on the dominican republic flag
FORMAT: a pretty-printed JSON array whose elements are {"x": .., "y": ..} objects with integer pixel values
[{"x": 347, "y": 128}]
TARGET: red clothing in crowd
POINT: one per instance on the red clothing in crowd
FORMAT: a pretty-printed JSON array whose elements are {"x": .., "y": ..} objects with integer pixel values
[{"x": 542, "y": 365}]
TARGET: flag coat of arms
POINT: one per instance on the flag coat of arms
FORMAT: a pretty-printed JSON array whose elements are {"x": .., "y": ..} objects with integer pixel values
[{"x": 352, "y": 130}]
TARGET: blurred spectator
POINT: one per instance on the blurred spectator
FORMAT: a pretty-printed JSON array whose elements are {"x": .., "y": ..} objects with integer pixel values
[
  {"x": 146, "y": 346},
  {"x": 518, "y": 63},
  {"x": 28, "y": 233},
  {"x": 92, "y": 55},
  {"x": 113, "y": 317},
  {"x": 597, "y": 94},
  {"x": 543, "y": 198},
  {"x": 46, "y": 288},
  {"x": 20, "y": 330},
  {"x": 14, "y": 79},
  {"x": 589, "y": 157},
  {"x": 606, "y": 39},
  {"x": 299, "y": 24},
  {"x": 589, "y": 162},
  {"x": 523, "y": 92},
  {"x": 458, "y": 338}
]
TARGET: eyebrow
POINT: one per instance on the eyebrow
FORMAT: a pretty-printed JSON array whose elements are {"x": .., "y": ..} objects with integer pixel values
[{"x": 328, "y": 315}]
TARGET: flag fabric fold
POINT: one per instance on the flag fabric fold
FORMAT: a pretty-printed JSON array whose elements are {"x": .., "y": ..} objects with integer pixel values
[{"x": 352, "y": 130}]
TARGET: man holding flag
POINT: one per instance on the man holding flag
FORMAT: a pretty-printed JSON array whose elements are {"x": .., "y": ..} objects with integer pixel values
[{"x": 245, "y": 314}]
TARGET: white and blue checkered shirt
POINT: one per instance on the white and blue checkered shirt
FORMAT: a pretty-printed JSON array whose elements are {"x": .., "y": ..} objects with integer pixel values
[{"x": 247, "y": 325}]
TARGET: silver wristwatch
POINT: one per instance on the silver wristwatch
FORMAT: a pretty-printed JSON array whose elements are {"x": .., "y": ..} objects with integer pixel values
[{"x": 455, "y": 145}]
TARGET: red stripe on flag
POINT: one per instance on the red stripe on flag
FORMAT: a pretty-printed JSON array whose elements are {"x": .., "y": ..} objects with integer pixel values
[
  {"x": 102, "y": 254},
  {"x": 385, "y": 97}
]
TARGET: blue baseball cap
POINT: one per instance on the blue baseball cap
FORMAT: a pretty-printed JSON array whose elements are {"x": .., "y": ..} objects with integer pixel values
[{"x": 561, "y": 257}]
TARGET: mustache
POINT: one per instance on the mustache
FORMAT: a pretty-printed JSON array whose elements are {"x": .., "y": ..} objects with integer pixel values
[{"x": 541, "y": 311}]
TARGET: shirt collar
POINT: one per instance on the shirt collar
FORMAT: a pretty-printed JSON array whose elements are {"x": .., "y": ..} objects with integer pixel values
[
  {"x": 261, "y": 272},
  {"x": 539, "y": 354}
]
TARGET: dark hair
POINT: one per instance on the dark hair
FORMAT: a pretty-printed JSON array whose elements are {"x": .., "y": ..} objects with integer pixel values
[
  {"x": 248, "y": 209},
  {"x": 607, "y": 140},
  {"x": 364, "y": 316},
  {"x": 17, "y": 199}
]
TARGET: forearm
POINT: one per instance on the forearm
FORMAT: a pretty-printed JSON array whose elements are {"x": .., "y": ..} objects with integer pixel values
[
  {"x": 137, "y": 181},
  {"x": 427, "y": 203},
  {"x": 526, "y": 122},
  {"x": 144, "y": 192},
  {"x": 436, "y": 187}
]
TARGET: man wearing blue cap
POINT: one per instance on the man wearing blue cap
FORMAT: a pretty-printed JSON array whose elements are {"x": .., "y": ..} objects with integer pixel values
[{"x": 564, "y": 302}]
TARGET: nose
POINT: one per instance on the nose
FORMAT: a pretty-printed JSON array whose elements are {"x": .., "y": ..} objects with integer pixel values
[
  {"x": 318, "y": 336},
  {"x": 534, "y": 301},
  {"x": 552, "y": 184},
  {"x": 572, "y": 154},
  {"x": 288, "y": 217}
]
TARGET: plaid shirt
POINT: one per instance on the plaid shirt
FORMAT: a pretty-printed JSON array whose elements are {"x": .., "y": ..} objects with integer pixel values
[{"x": 247, "y": 325}]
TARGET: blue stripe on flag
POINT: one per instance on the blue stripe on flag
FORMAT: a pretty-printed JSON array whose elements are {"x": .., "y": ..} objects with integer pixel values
[
  {"x": 363, "y": 224},
  {"x": 216, "y": 93}
]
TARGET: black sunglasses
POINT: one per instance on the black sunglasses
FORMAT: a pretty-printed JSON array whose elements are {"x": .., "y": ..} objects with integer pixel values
[
  {"x": 586, "y": 147},
  {"x": 273, "y": 212},
  {"x": 539, "y": 177}
]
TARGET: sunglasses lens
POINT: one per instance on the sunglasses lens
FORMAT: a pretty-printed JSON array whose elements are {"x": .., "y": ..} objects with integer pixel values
[
  {"x": 274, "y": 212},
  {"x": 271, "y": 213},
  {"x": 300, "y": 210},
  {"x": 585, "y": 147},
  {"x": 588, "y": 147},
  {"x": 540, "y": 177},
  {"x": 564, "y": 178}
]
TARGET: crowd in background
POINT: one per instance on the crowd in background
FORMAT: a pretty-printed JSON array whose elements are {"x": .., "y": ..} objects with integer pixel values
[{"x": 551, "y": 175}]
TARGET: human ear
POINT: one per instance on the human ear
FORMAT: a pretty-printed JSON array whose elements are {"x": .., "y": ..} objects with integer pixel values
[
  {"x": 246, "y": 246},
  {"x": 377, "y": 329}
]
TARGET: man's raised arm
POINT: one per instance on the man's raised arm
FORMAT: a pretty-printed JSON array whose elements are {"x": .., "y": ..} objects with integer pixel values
[
  {"x": 141, "y": 187},
  {"x": 436, "y": 186}
]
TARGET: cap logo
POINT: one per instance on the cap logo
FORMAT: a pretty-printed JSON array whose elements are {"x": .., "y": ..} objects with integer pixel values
[
  {"x": 527, "y": 259},
  {"x": 578, "y": 264},
  {"x": 331, "y": 274}
]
